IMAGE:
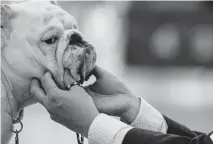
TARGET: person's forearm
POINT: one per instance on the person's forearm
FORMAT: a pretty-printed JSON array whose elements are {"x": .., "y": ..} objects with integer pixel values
[
  {"x": 143, "y": 115},
  {"x": 129, "y": 116}
]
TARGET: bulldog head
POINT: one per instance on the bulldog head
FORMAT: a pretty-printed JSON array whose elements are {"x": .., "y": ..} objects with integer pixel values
[{"x": 39, "y": 36}]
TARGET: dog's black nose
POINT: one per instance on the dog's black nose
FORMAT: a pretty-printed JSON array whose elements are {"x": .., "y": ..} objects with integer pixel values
[{"x": 75, "y": 39}]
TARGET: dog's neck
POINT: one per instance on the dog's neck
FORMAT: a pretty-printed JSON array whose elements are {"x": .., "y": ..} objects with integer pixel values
[{"x": 18, "y": 86}]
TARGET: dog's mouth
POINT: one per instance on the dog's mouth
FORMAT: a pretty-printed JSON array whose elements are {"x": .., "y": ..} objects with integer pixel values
[{"x": 78, "y": 61}]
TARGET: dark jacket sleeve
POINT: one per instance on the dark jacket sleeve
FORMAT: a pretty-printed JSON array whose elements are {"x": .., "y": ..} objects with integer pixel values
[
  {"x": 179, "y": 129},
  {"x": 176, "y": 134}
]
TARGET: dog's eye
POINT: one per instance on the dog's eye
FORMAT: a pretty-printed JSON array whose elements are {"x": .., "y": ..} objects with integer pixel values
[{"x": 51, "y": 40}]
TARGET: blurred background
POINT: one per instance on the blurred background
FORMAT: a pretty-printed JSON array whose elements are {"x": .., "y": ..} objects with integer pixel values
[{"x": 163, "y": 51}]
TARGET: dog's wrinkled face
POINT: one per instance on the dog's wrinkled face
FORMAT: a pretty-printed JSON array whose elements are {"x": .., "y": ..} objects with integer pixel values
[{"x": 45, "y": 37}]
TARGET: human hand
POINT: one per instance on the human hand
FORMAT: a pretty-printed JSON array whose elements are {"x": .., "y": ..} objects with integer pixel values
[
  {"x": 112, "y": 97},
  {"x": 74, "y": 109}
]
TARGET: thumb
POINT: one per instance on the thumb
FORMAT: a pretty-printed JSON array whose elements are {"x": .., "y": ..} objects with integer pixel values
[
  {"x": 38, "y": 92},
  {"x": 90, "y": 91},
  {"x": 98, "y": 72},
  {"x": 94, "y": 94},
  {"x": 101, "y": 73}
]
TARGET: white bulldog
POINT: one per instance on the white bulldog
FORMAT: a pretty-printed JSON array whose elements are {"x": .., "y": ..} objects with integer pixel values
[{"x": 38, "y": 36}]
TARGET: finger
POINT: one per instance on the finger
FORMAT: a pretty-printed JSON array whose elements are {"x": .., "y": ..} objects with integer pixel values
[
  {"x": 98, "y": 72},
  {"x": 38, "y": 92},
  {"x": 88, "y": 90},
  {"x": 48, "y": 83},
  {"x": 77, "y": 90},
  {"x": 92, "y": 92},
  {"x": 95, "y": 87}
]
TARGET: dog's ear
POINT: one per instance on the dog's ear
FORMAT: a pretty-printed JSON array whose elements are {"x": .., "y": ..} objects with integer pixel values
[{"x": 6, "y": 15}]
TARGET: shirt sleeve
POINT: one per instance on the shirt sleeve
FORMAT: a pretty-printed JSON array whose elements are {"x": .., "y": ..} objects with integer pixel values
[
  {"x": 142, "y": 136},
  {"x": 107, "y": 130},
  {"x": 149, "y": 118}
]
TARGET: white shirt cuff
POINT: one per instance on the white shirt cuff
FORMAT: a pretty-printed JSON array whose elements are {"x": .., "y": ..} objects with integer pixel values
[
  {"x": 149, "y": 118},
  {"x": 107, "y": 130}
]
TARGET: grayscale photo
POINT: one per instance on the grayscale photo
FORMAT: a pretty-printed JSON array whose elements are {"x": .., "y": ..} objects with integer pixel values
[{"x": 106, "y": 72}]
